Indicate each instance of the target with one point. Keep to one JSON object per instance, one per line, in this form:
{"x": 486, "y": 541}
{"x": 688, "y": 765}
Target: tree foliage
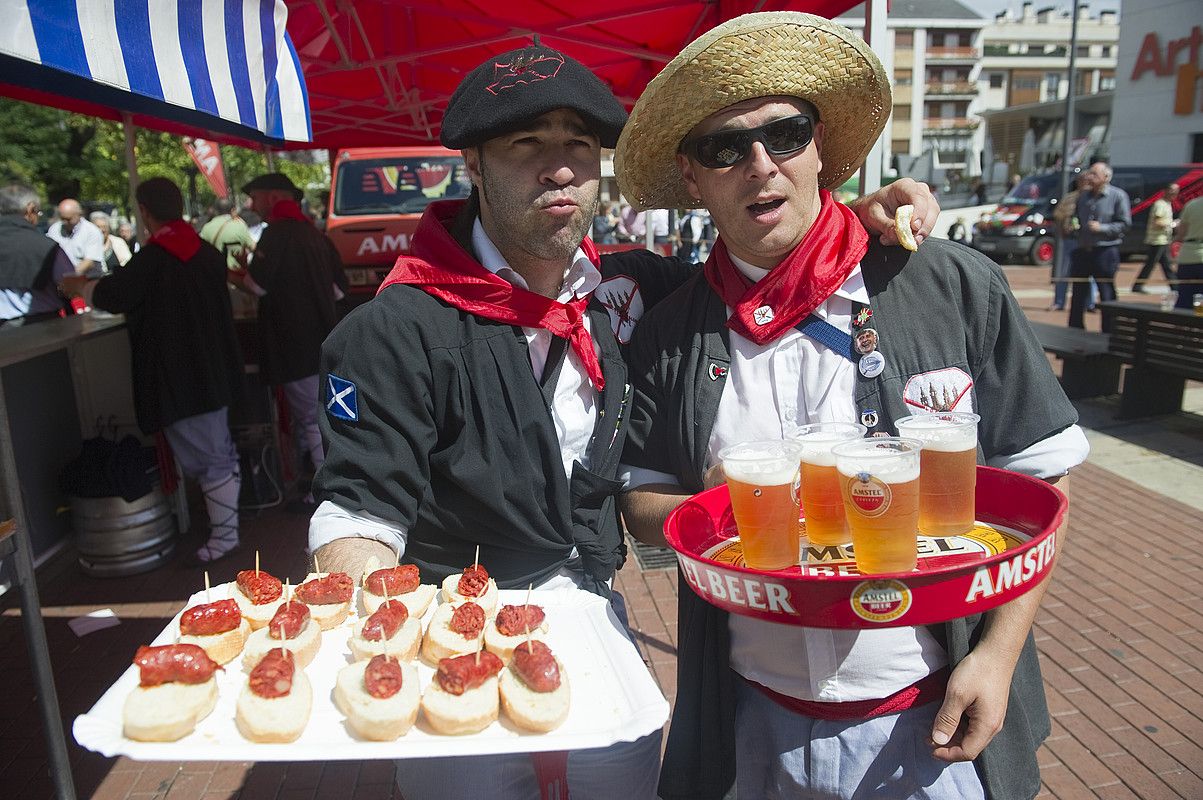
{"x": 70, "y": 155}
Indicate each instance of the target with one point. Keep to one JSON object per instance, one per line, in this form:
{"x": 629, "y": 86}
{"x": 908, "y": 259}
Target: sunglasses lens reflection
{"x": 727, "y": 148}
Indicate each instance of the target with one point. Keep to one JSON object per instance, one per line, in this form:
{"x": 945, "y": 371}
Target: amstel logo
{"x": 880, "y": 601}
{"x": 870, "y": 495}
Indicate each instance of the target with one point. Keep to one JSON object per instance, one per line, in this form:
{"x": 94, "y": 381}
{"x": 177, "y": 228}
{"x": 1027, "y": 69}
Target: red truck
{"x": 377, "y": 195}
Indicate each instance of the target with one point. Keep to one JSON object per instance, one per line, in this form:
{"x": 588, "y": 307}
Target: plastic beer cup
{"x": 949, "y": 470}
{"x": 763, "y": 480}
{"x": 879, "y": 481}
{"x": 822, "y": 502}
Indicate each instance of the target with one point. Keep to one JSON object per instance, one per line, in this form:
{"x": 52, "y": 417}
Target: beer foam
{"x": 940, "y": 434}
{"x": 768, "y": 472}
{"x": 887, "y": 471}
{"x": 817, "y": 447}
{"x": 881, "y": 460}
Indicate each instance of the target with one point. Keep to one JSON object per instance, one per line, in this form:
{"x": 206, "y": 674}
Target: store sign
{"x": 1163, "y": 61}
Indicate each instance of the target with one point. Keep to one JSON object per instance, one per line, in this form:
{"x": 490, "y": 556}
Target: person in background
{"x": 605, "y": 225}
{"x": 298, "y": 277}
{"x": 958, "y": 231}
{"x": 1065, "y": 217}
{"x": 126, "y": 231}
{"x": 953, "y": 711}
{"x": 228, "y": 233}
{"x": 187, "y": 365}
{"x": 1190, "y": 257}
{"x": 1104, "y": 213}
{"x": 82, "y": 240}
{"x": 1157, "y": 239}
{"x": 116, "y": 251}
{"x": 31, "y": 265}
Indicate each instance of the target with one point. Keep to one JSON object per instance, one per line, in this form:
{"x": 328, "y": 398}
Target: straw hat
{"x": 754, "y": 55}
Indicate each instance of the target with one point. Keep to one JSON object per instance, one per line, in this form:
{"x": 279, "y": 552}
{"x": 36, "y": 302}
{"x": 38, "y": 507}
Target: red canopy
{"x": 380, "y": 73}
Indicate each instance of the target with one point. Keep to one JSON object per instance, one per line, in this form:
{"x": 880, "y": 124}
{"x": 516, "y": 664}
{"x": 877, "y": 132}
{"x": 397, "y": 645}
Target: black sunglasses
{"x": 721, "y": 149}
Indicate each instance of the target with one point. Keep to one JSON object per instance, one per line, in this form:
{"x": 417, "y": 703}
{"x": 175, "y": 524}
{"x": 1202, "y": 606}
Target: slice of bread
{"x": 404, "y": 644}
{"x": 416, "y": 601}
{"x": 167, "y": 712}
{"x": 275, "y": 719}
{"x": 487, "y": 601}
{"x": 531, "y": 710}
{"x": 222, "y": 647}
{"x": 497, "y": 642}
{"x": 469, "y": 712}
{"x": 304, "y": 646}
{"x": 328, "y": 615}
{"x": 257, "y": 616}
{"x": 442, "y": 642}
{"x": 373, "y": 718}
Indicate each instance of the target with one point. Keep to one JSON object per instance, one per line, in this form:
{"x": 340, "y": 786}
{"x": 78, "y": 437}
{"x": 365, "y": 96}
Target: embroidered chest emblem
{"x": 622, "y": 300}
{"x": 945, "y": 389}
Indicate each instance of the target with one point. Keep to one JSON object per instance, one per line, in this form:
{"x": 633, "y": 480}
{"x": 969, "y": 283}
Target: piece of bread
{"x": 497, "y": 642}
{"x": 304, "y": 646}
{"x": 373, "y": 718}
{"x": 454, "y": 714}
{"x": 275, "y": 719}
{"x": 416, "y": 601}
{"x": 222, "y": 647}
{"x": 404, "y": 644}
{"x": 167, "y": 712}
{"x": 257, "y": 616}
{"x": 442, "y": 642}
{"x": 328, "y": 615}
{"x": 531, "y": 710}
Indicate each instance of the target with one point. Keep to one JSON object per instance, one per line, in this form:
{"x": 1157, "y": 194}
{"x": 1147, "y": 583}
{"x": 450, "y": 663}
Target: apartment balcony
{"x": 950, "y": 126}
{"x": 952, "y": 90}
{"x": 953, "y": 54}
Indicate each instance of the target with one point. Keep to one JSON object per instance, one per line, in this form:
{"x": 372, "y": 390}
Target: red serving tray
{"x": 1010, "y": 551}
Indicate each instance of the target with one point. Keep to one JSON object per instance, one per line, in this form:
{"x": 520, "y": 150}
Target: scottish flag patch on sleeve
{"x": 341, "y": 400}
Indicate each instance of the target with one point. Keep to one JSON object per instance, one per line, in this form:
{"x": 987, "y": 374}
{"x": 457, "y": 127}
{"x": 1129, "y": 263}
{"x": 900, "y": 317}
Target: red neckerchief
{"x": 287, "y": 209}
{"x": 178, "y": 238}
{"x": 819, "y": 265}
{"x": 459, "y": 280}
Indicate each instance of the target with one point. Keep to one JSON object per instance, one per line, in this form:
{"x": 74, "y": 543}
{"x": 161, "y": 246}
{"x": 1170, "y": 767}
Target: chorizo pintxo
{"x": 463, "y": 697}
{"x": 534, "y": 690}
{"x": 379, "y": 697}
{"x": 177, "y": 688}
{"x": 274, "y": 705}
{"x": 219, "y": 628}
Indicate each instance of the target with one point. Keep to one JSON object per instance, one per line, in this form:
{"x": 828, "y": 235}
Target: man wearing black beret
{"x": 480, "y": 399}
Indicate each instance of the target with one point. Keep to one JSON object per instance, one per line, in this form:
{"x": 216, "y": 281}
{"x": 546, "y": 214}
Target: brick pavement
{"x": 1118, "y": 636}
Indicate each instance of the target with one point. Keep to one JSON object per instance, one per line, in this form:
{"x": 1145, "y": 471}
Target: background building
{"x": 1158, "y": 110}
{"x": 954, "y": 70}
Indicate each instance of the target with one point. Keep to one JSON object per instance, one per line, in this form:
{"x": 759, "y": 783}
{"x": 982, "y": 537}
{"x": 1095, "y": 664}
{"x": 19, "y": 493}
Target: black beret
{"x": 510, "y": 90}
{"x": 273, "y": 181}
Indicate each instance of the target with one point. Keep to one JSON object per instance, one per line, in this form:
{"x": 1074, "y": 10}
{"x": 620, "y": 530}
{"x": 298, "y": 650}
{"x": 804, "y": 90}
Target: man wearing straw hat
{"x": 757, "y": 120}
{"x": 480, "y": 399}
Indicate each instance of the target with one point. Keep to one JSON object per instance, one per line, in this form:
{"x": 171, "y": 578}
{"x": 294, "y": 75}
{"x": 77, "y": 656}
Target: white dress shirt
{"x": 574, "y": 410}
{"x": 85, "y": 241}
{"x": 771, "y": 391}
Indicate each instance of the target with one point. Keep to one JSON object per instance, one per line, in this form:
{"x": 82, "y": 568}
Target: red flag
{"x": 208, "y": 160}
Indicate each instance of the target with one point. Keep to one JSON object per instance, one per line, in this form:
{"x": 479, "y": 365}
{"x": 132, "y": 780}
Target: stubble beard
{"x": 517, "y": 221}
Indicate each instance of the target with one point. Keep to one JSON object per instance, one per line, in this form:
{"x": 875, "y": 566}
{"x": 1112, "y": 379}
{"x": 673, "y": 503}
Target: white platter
{"x": 614, "y": 699}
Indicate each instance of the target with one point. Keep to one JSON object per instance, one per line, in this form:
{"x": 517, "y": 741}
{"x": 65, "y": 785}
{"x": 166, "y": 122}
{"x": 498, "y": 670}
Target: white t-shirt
{"x": 85, "y": 242}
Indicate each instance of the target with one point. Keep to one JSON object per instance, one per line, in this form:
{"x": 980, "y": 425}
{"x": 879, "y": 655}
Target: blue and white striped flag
{"x": 229, "y": 59}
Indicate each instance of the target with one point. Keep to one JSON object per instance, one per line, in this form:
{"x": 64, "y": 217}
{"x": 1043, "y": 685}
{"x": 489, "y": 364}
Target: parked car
{"x": 1021, "y": 228}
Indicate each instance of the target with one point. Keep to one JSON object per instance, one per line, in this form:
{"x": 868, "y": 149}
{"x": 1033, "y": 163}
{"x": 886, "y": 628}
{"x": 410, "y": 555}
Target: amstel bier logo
{"x": 870, "y": 495}
{"x": 880, "y": 601}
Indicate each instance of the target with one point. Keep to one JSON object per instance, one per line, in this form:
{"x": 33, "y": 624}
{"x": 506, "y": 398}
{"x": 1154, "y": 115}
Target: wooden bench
{"x": 1164, "y": 348}
{"x": 1088, "y": 369}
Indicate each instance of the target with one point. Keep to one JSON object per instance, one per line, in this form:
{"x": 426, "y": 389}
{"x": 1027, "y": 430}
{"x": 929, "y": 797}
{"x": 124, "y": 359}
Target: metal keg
{"x": 115, "y": 538}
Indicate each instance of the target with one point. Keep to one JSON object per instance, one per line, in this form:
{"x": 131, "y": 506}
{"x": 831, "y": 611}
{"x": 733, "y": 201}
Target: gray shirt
{"x": 1112, "y": 209}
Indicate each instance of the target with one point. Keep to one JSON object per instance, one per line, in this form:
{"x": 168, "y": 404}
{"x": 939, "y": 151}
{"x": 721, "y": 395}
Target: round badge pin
{"x": 872, "y": 364}
{"x": 865, "y": 342}
{"x": 869, "y": 418}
